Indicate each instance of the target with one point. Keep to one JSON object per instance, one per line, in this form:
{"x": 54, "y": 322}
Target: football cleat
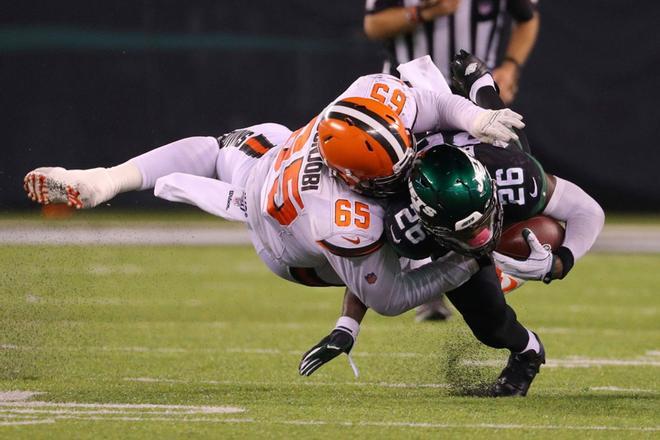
{"x": 465, "y": 70}
{"x": 435, "y": 310}
{"x": 520, "y": 371}
{"x": 77, "y": 188}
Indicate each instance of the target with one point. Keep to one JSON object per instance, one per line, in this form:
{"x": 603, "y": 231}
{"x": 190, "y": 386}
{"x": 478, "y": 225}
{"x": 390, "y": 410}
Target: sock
{"x": 125, "y": 177}
{"x": 532, "y": 343}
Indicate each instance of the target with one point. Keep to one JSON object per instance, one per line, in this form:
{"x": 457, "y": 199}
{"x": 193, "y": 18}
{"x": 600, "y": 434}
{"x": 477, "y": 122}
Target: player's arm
{"x": 584, "y": 219}
{"x": 386, "y": 18}
{"x": 526, "y": 23}
{"x": 380, "y": 283}
{"x": 452, "y": 112}
{"x": 471, "y": 77}
{"x": 340, "y": 340}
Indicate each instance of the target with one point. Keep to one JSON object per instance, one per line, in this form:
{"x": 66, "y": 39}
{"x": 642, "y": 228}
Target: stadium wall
{"x": 94, "y": 83}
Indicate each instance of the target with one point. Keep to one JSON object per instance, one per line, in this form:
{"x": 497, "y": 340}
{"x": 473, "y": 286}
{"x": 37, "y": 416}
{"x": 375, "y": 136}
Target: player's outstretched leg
{"x": 80, "y": 188}
{"x": 77, "y": 188}
{"x": 494, "y": 323}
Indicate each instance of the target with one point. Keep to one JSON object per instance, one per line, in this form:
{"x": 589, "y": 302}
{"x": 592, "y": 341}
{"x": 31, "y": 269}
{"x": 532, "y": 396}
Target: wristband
{"x": 349, "y": 325}
{"x": 567, "y": 259}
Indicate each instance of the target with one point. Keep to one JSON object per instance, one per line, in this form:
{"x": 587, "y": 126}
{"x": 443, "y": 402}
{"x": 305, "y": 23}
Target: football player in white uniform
{"x": 306, "y": 225}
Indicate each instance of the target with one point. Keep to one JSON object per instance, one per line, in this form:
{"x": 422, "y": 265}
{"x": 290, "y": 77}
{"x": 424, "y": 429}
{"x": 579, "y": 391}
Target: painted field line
{"x": 189, "y": 409}
{"x": 623, "y": 390}
{"x": 576, "y": 362}
{"x": 26, "y": 422}
{"x": 17, "y": 396}
{"x": 471, "y": 425}
{"x": 422, "y": 425}
{"x": 302, "y": 382}
{"x": 358, "y": 384}
{"x": 126, "y": 419}
{"x": 569, "y": 362}
{"x": 55, "y": 411}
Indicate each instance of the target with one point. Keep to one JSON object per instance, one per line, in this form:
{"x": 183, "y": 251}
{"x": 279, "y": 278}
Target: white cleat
{"x": 77, "y": 188}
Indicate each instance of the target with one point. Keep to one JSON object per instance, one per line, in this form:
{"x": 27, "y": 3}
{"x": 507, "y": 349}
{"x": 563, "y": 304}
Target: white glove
{"x": 538, "y": 266}
{"x": 77, "y": 188}
{"x": 496, "y": 125}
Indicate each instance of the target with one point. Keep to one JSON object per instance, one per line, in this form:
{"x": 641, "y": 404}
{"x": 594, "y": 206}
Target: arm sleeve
{"x": 193, "y": 155}
{"x": 583, "y": 216}
{"x": 521, "y": 10}
{"x": 380, "y": 283}
{"x": 443, "y": 112}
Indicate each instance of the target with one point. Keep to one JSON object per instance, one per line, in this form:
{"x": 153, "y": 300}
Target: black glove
{"x": 336, "y": 343}
{"x": 465, "y": 70}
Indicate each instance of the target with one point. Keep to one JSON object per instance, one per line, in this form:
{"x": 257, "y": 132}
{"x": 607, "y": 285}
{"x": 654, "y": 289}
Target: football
{"x": 548, "y": 230}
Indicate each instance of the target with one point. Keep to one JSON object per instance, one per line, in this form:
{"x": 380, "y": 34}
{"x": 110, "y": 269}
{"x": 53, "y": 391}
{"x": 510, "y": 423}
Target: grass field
{"x": 141, "y": 341}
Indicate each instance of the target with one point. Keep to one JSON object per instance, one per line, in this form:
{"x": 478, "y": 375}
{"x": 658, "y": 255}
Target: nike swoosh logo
{"x": 355, "y": 240}
{"x": 536, "y": 189}
{"x": 394, "y": 239}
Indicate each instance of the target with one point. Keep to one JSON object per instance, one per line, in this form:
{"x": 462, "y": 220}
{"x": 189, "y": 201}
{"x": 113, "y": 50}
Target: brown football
{"x": 547, "y": 230}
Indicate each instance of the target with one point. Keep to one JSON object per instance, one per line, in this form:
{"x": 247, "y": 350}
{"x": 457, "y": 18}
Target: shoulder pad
{"x": 405, "y": 233}
{"x": 351, "y": 225}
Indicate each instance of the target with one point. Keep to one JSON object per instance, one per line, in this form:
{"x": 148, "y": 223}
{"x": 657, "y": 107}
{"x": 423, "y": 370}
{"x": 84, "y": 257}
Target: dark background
{"x": 93, "y": 83}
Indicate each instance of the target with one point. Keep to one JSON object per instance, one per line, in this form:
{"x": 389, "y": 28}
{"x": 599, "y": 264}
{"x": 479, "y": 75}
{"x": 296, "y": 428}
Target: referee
{"x": 440, "y": 28}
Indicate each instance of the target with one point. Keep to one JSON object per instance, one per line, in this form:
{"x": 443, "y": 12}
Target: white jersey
{"x": 304, "y": 221}
{"x": 308, "y": 226}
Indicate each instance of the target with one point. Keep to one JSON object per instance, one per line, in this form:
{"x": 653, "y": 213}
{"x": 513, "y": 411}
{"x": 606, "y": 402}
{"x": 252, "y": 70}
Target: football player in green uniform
{"x": 461, "y": 193}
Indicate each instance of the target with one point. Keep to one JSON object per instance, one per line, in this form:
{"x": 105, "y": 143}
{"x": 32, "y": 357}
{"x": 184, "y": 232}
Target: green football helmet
{"x": 456, "y": 200}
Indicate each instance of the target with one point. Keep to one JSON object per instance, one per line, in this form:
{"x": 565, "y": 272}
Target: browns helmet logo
{"x": 371, "y": 278}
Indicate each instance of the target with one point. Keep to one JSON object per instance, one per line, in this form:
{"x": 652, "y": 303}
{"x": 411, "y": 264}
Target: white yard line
{"x": 471, "y": 425}
{"x": 422, "y": 425}
{"x": 182, "y": 409}
{"x": 26, "y": 422}
{"x": 17, "y": 396}
{"x": 568, "y": 362}
{"x": 623, "y": 390}
{"x": 577, "y": 362}
{"x": 302, "y": 382}
{"x": 22, "y": 413}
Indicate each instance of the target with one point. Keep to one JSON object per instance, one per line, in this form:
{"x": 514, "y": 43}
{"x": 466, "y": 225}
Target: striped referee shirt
{"x": 476, "y": 27}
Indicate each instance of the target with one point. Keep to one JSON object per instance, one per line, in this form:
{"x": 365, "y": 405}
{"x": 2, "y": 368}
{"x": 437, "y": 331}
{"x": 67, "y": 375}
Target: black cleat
{"x": 465, "y": 70}
{"x": 519, "y": 373}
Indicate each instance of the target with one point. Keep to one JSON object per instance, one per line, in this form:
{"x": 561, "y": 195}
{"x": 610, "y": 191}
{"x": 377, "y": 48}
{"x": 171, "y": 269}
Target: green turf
{"x": 211, "y": 326}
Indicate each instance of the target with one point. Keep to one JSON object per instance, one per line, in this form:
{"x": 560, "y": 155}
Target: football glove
{"x": 77, "y": 188}
{"x": 495, "y": 125}
{"x": 340, "y": 340}
{"x": 466, "y": 69}
{"x": 538, "y": 266}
